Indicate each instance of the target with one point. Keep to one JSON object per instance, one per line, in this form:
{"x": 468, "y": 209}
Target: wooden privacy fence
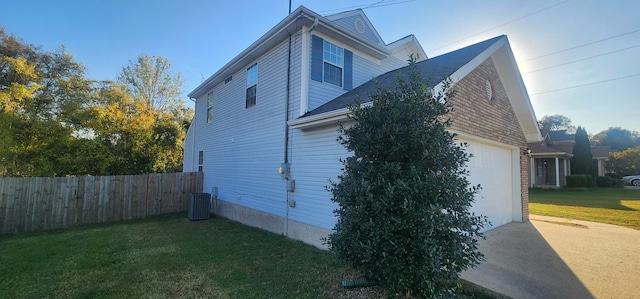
{"x": 33, "y": 204}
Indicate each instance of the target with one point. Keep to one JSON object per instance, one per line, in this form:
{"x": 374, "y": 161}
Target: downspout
{"x": 286, "y": 133}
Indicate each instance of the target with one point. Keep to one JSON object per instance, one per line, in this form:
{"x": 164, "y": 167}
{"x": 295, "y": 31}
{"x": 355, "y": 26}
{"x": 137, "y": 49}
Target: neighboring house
{"x": 266, "y": 123}
{"x": 550, "y": 160}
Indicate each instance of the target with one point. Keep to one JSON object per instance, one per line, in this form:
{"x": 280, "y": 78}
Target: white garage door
{"x": 491, "y": 167}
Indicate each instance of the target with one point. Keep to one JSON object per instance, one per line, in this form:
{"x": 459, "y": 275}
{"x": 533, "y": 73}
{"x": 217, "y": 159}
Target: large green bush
{"x": 604, "y": 182}
{"x": 579, "y": 181}
{"x": 404, "y": 199}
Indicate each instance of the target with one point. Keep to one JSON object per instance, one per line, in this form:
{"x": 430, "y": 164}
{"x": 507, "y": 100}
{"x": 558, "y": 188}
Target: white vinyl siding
{"x": 315, "y": 159}
{"x": 243, "y": 148}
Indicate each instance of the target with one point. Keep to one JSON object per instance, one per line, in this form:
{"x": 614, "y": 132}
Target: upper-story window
{"x": 252, "y": 82}
{"x": 331, "y": 63}
{"x": 210, "y": 107}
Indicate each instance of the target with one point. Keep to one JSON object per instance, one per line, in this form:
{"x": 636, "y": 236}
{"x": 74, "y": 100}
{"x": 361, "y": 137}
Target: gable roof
{"x": 434, "y": 70}
{"x": 357, "y": 22}
{"x": 560, "y": 135}
{"x": 456, "y": 65}
{"x": 294, "y": 22}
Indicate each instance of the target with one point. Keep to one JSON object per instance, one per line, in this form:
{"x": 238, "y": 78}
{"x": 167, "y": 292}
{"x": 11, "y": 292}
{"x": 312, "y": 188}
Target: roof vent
{"x": 358, "y": 24}
{"x": 489, "y": 90}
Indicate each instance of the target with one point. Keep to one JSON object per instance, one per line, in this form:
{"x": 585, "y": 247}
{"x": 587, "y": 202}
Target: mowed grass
{"x": 605, "y": 205}
{"x": 169, "y": 257}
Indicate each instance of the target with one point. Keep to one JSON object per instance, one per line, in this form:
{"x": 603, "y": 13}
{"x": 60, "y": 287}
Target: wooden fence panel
{"x": 33, "y": 204}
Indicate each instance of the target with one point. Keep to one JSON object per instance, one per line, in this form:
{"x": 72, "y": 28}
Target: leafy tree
{"x": 404, "y": 199}
{"x": 57, "y": 122}
{"x": 35, "y": 136}
{"x": 582, "y": 160}
{"x": 149, "y": 79}
{"x": 618, "y": 139}
{"x": 131, "y": 138}
{"x": 626, "y": 162}
{"x": 556, "y": 122}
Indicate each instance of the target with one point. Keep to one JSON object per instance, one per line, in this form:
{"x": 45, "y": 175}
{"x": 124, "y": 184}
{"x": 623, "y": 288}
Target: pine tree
{"x": 581, "y": 162}
{"x": 404, "y": 199}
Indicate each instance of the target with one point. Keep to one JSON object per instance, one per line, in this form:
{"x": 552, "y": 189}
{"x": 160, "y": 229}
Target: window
{"x": 210, "y": 107}
{"x": 200, "y": 160}
{"x": 333, "y": 63}
{"x": 252, "y": 82}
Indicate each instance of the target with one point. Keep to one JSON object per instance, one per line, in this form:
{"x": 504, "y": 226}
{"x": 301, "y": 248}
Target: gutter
{"x": 331, "y": 117}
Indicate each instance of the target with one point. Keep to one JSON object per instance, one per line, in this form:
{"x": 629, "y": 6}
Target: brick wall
{"x": 494, "y": 119}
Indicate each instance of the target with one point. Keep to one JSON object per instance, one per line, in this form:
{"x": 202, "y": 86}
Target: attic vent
{"x": 359, "y": 25}
{"x": 228, "y": 79}
{"x": 488, "y": 89}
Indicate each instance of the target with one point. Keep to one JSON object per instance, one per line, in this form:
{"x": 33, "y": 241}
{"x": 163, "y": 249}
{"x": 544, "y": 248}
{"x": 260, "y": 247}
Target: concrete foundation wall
{"x": 306, "y": 233}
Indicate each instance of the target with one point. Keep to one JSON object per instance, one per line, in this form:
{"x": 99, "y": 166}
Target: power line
{"x": 579, "y": 46}
{"x": 594, "y": 56}
{"x": 586, "y": 84}
{"x": 508, "y": 22}
{"x": 372, "y": 5}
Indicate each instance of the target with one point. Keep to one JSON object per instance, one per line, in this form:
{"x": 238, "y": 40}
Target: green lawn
{"x": 605, "y": 205}
{"x": 169, "y": 257}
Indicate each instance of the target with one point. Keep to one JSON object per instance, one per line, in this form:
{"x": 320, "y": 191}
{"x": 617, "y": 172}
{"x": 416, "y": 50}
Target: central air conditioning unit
{"x": 199, "y": 206}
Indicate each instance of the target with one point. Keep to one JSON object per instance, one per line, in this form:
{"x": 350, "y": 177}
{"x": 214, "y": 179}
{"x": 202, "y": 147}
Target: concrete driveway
{"x": 558, "y": 258}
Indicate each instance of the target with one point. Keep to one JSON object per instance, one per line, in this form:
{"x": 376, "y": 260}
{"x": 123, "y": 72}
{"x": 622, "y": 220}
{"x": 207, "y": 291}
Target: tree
{"x": 149, "y": 79}
{"x": 626, "y": 162}
{"x": 618, "y": 139}
{"x": 128, "y": 137}
{"x": 37, "y": 90}
{"x": 581, "y": 162}
{"x": 556, "y": 122}
{"x": 404, "y": 199}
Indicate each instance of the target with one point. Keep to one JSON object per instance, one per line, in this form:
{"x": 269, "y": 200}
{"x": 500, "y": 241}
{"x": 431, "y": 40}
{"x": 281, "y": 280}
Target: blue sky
{"x": 198, "y": 37}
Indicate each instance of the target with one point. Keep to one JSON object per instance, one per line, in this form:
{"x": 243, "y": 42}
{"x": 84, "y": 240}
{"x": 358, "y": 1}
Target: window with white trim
{"x": 200, "y": 160}
{"x": 210, "y": 107}
{"x": 333, "y": 63}
{"x": 252, "y": 82}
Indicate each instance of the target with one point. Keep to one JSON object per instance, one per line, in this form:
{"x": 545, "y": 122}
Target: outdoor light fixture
{"x": 527, "y": 152}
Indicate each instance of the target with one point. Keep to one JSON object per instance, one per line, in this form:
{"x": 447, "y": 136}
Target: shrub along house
{"x": 265, "y": 125}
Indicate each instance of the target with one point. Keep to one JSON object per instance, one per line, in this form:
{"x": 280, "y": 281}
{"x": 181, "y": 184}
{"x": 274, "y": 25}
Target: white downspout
{"x": 304, "y": 71}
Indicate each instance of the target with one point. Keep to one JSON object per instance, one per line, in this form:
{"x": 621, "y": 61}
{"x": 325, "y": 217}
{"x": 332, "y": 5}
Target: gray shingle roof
{"x": 434, "y": 70}
{"x": 561, "y": 135}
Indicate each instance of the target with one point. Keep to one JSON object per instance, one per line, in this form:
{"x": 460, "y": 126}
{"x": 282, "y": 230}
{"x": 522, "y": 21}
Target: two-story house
{"x": 266, "y": 124}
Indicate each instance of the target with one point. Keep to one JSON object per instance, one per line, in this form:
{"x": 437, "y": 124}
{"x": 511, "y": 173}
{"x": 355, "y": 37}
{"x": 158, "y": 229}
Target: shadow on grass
{"x": 587, "y": 198}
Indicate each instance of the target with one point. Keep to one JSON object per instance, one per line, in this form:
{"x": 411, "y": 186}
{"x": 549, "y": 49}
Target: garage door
{"x": 491, "y": 167}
